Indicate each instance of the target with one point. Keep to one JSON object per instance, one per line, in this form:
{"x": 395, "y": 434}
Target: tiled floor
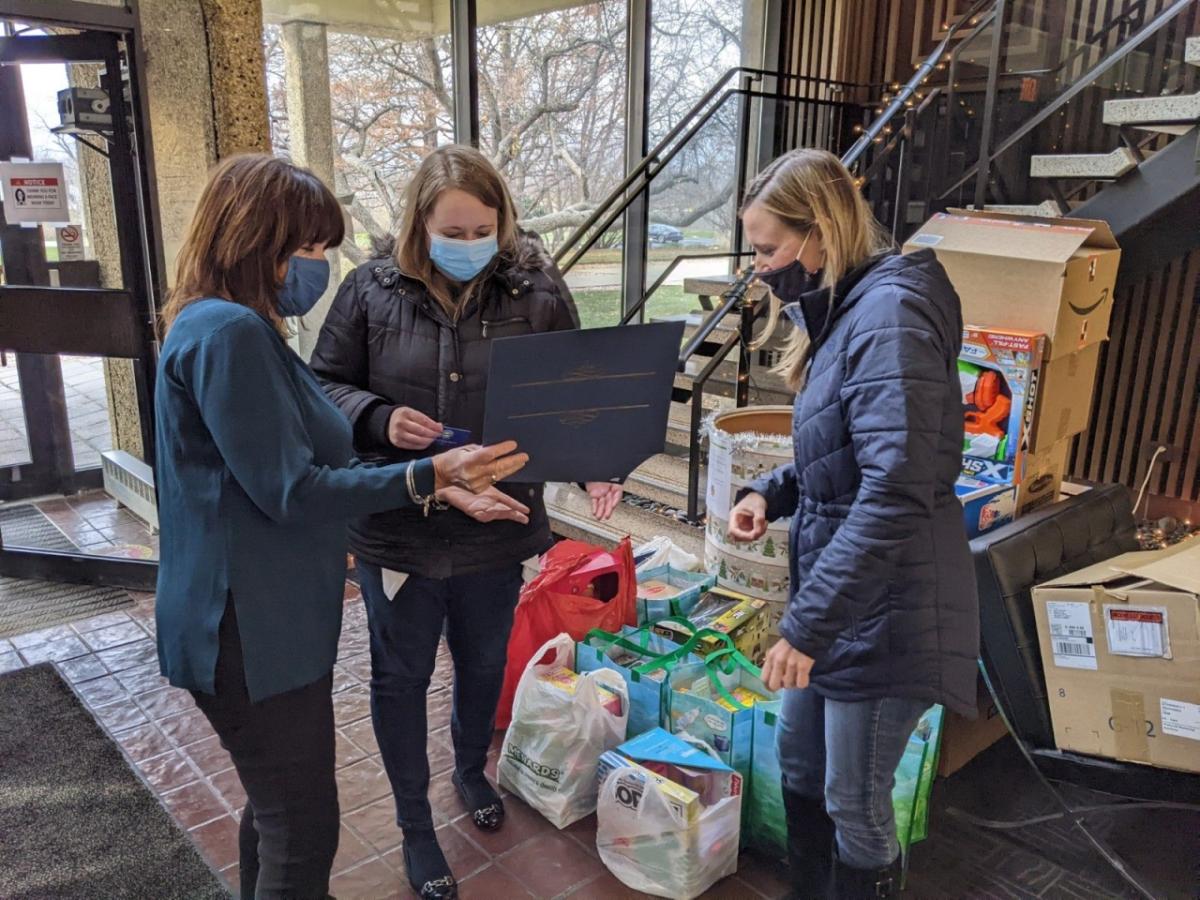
{"x": 111, "y": 661}
{"x": 96, "y": 524}
{"x": 87, "y": 411}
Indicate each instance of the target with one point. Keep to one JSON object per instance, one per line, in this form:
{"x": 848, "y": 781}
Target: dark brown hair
{"x": 254, "y": 213}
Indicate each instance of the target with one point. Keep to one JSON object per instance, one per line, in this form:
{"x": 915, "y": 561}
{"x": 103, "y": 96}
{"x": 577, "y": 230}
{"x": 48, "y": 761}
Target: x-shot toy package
{"x": 998, "y": 370}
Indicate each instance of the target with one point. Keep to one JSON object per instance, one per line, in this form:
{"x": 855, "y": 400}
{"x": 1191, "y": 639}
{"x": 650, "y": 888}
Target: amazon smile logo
{"x": 1087, "y": 310}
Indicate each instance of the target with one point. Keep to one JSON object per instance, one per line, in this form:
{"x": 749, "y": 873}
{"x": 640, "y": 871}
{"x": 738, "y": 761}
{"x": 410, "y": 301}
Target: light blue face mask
{"x": 462, "y": 260}
{"x": 303, "y": 285}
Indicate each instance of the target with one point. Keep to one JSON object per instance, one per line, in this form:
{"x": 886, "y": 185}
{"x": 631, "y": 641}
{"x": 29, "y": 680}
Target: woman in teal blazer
{"x": 256, "y": 483}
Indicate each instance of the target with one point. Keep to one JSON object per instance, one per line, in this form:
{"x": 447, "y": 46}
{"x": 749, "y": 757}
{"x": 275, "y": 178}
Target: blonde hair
{"x": 807, "y": 190}
{"x": 255, "y": 212}
{"x": 452, "y": 167}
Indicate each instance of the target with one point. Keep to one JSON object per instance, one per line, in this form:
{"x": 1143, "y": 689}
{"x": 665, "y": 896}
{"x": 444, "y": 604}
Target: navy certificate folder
{"x": 587, "y": 405}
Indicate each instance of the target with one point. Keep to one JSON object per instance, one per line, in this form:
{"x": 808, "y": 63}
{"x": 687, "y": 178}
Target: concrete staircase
{"x": 1175, "y": 114}
{"x": 656, "y": 492}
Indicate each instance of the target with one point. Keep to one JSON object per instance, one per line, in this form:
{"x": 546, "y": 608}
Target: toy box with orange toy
{"x": 998, "y": 371}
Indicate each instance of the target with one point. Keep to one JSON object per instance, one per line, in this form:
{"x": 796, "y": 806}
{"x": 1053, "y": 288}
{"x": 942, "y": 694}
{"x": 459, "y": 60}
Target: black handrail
{"x": 636, "y": 310}
{"x": 610, "y": 214}
{"x": 653, "y": 154}
{"x": 900, "y": 101}
{"x": 1077, "y": 87}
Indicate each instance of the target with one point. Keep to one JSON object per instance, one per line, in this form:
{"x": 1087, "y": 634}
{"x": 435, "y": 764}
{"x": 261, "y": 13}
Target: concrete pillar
{"x": 237, "y": 72}
{"x": 206, "y": 83}
{"x": 310, "y": 126}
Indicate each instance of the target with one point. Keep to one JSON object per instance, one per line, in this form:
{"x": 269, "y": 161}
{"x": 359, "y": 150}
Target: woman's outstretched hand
{"x": 748, "y": 520}
{"x": 492, "y": 505}
{"x": 475, "y": 468}
{"x": 605, "y": 497}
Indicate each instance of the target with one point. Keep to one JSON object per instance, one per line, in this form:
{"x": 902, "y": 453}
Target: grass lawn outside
{"x": 601, "y": 307}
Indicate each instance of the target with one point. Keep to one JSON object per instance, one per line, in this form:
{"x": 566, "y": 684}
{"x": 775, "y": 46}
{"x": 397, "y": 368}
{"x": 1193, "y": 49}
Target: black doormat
{"x": 27, "y": 526}
{"x": 33, "y": 605}
{"x": 75, "y": 821}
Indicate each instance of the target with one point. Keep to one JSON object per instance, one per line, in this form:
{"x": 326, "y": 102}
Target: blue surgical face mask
{"x": 462, "y": 260}
{"x": 305, "y": 282}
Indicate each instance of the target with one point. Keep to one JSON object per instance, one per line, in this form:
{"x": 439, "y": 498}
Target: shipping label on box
{"x": 1120, "y": 645}
{"x": 1050, "y": 275}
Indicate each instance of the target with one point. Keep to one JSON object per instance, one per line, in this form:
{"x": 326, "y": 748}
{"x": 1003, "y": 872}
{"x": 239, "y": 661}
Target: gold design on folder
{"x": 574, "y": 418}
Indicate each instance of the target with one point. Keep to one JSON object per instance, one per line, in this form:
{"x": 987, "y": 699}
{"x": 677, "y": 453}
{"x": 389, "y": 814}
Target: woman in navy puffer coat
{"x": 883, "y": 619}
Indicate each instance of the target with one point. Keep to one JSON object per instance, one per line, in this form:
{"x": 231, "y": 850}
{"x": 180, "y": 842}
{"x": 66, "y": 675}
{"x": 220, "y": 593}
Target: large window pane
{"x": 552, "y": 118}
{"x": 391, "y": 93}
{"x": 693, "y": 42}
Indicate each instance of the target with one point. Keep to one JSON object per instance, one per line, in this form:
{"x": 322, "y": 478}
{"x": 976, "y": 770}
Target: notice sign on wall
{"x": 34, "y": 192}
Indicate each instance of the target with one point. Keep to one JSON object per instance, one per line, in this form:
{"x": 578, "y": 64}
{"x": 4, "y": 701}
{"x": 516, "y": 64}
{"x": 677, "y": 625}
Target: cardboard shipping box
{"x": 1055, "y": 276}
{"x": 963, "y": 739}
{"x": 1120, "y": 645}
{"x": 1064, "y": 406}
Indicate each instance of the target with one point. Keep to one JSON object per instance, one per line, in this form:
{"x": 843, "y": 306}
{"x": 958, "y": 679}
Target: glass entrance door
{"x": 77, "y": 343}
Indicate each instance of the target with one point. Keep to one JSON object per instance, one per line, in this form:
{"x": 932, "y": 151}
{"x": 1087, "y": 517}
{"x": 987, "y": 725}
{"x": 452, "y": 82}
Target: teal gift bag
{"x": 914, "y": 778}
{"x": 652, "y": 608}
{"x": 626, "y": 653}
{"x": 707, "y": 702}
{"x": 766, "y": 820}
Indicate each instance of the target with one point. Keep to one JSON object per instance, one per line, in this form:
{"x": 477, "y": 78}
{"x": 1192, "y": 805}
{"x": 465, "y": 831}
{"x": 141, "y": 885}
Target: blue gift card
{"x": 452, "y": 437}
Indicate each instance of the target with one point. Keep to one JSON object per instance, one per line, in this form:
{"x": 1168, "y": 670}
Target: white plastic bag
{"x": 553, "y": 745}
{"x": 664, "y": 552}
{"x": 650, "y": 848}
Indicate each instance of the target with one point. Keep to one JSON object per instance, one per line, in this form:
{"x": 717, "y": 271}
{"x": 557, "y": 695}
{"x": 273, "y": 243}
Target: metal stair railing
{"x": 639, "y": 179}
{"x": 980, "y": 171}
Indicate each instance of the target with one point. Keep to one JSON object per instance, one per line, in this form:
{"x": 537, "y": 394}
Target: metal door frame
{"x": 39, "y": 319}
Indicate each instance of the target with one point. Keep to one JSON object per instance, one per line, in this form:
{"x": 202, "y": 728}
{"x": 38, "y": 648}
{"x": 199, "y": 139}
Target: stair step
{"x": 679, "y": 419}
{"x": 1085, "y": 165}
{"x": 664, "y": 478}
{"x": 1046, "y": 209}
{"x": 570, "y": 511}
{"x": 763, "y": 391}
{"x": 715, "y": 285}
{"x": 1191, "y": 52}
{"x": 1173, "y": 114}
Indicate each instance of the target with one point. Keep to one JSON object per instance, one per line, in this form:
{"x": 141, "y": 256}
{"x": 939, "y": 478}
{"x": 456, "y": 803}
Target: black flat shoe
{"x": 426, "y": 868}
{"x": 487, "y": 809}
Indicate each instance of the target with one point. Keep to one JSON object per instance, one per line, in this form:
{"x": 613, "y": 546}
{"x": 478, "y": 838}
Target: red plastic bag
{"x": 555, "y": 602}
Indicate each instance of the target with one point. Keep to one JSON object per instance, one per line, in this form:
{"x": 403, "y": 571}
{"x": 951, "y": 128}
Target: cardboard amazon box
{"x": 1120, "y": 645}
{"x": 1049, "y": 275}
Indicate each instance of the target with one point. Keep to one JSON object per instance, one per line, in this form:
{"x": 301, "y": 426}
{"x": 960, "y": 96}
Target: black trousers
{"x": 283, "y": 750}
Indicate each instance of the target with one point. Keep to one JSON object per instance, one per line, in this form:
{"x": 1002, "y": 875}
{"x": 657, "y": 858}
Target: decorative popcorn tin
{"x": 744, "y": 445}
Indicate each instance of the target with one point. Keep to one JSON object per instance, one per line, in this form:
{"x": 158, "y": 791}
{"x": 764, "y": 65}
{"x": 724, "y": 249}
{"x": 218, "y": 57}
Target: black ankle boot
{"x": 427, "y": 869}
{"x": 865, "y": 884}
{"x": 810, "y": 846}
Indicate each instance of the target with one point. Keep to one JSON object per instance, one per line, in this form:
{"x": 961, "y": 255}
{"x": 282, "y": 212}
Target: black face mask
{"x": 789, "y": 282}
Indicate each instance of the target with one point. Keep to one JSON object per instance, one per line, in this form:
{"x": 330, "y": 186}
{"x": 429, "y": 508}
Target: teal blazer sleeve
{"x": 243, "y": 386}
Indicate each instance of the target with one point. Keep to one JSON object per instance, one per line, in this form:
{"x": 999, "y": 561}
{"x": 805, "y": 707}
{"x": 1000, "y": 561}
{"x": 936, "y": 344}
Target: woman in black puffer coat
{"x": 404, "y": 352}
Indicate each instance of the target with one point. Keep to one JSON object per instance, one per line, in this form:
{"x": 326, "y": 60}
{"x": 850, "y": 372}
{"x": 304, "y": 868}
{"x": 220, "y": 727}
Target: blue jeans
{"x": 477, "y": 613}
{"x": 846, "y": 754}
